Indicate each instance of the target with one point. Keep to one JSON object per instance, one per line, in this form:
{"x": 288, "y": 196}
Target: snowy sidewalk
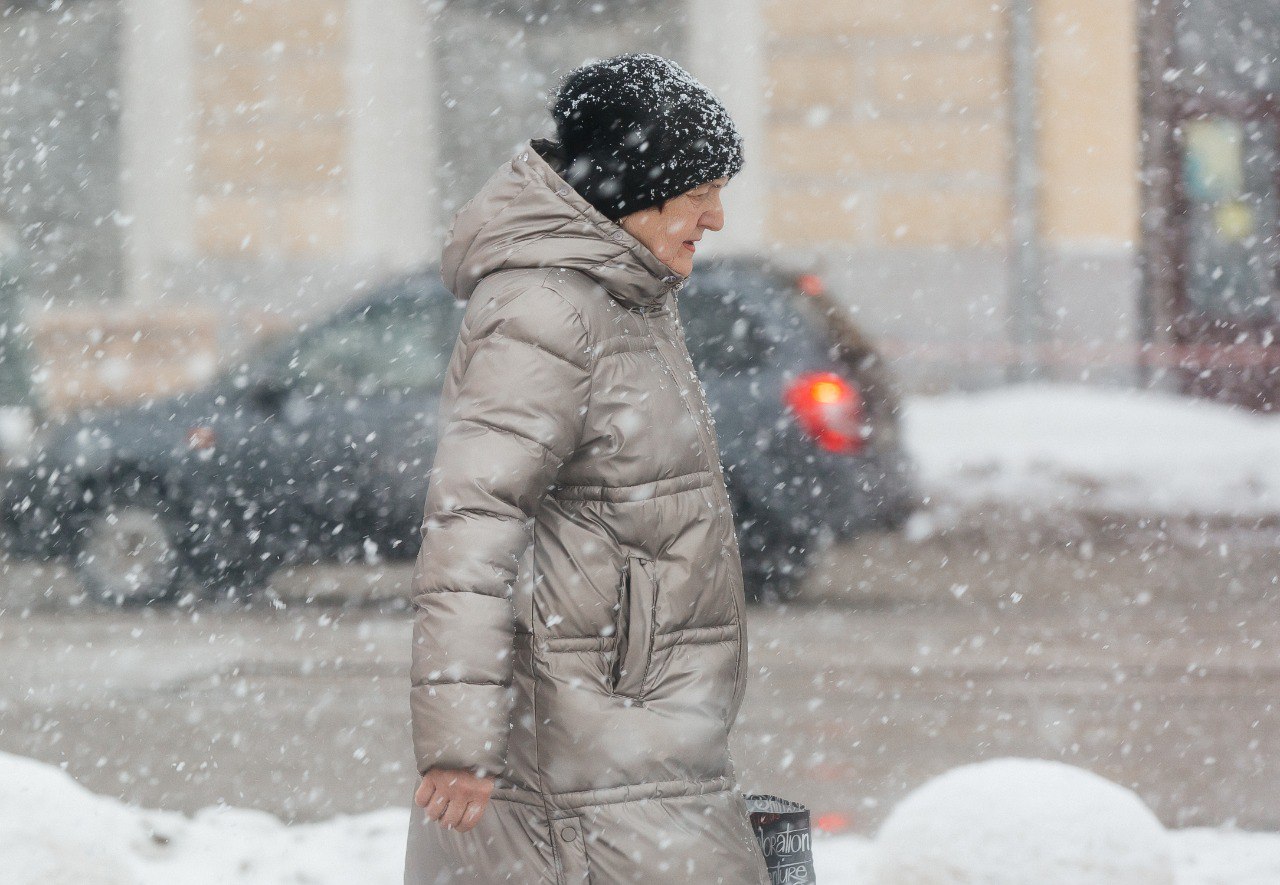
{"x": 54, "y": 831}
{"x": 1054, "y": 446}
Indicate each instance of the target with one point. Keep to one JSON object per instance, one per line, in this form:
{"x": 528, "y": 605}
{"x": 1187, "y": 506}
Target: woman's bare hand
{"x": 455, "y": 798}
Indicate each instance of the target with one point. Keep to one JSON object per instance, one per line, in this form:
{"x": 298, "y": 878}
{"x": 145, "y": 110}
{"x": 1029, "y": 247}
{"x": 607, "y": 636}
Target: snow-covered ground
{"x": 1036, "y": 446}
{"x": 54, "y": 832}
{"x": 1055, "y": 446}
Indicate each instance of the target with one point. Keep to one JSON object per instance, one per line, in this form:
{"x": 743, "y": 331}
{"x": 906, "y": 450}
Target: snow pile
{"x": 54, "y": 832}
{"x": 1014, "y": 821}
{"x": 1204, "y": 856}
{"x": 1086, "y": 447}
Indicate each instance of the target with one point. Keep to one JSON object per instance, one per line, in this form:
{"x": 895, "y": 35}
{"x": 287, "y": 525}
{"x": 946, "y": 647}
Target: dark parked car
{"x": 318, "y": 447}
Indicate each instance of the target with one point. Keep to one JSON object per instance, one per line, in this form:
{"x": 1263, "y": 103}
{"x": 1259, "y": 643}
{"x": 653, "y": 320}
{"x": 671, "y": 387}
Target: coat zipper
{"x": 725, "y": 518}
{"x": 700, "y": 418}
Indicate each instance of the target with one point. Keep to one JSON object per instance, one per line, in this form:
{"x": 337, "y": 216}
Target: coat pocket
{"x": 571, "y": 851}
{"x": 637, "y": 613}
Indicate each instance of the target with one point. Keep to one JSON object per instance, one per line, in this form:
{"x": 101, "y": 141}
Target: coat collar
{"x": 527, "y": 216}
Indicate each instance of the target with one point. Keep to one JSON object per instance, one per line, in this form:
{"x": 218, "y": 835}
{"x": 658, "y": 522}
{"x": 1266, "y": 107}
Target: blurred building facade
{"x": 242, "y": 164}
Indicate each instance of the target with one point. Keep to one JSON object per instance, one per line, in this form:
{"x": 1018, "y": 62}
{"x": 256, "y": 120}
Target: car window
{"x": 396, "y": 346}
{"x": 723, "y": 333}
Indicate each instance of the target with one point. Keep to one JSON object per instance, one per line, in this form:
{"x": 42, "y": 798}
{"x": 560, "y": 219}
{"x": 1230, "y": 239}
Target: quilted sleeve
{"x": 513, "y": 409}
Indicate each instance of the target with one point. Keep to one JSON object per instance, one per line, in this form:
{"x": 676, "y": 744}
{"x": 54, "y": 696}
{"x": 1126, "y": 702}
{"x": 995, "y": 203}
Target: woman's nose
{"x": 713, "y": 219}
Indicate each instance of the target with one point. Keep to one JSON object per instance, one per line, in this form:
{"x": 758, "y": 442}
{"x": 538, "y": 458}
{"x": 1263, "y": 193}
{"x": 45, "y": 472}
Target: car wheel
{"x": 774, "y": 560}
{"x": 127, "y": 550}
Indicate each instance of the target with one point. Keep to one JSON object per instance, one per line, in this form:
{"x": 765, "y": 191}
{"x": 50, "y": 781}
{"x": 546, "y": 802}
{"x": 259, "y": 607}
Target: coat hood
{"x": 526, "y": 216}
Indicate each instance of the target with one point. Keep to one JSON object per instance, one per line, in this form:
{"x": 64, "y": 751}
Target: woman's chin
{"x": 681, "y": 264}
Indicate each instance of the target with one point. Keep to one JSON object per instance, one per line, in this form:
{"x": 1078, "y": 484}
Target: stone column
{"x": 727, "y": 52}
{"x": 157, "y": 143}
{"x": 391, "y": 140}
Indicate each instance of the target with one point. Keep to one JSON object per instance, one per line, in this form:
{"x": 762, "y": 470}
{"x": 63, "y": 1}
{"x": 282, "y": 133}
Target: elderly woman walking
{"x": 579, "y": 654}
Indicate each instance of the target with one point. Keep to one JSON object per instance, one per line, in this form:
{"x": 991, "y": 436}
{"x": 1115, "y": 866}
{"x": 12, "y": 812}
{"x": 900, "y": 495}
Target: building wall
{"x": 280, "y": 155}
{"x": 1090, "y": 153}
{"x": 891, "y": 158}
{"x": 1089, "y": 122}
{"x": 886, "y": 123}
{"x": 270, "y": 181}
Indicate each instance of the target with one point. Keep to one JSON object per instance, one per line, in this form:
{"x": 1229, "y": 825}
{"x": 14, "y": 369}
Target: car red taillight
{"x": 830, "y": 410}
{"x": 811, "y": 284}
{"x": 201, "y": 438}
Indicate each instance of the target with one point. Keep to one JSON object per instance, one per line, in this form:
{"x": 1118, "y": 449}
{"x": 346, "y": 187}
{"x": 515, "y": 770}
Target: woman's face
{"x": 672, "y": 231}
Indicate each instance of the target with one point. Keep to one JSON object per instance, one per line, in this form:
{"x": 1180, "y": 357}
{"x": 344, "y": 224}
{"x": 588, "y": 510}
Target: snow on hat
{"x": 638, "y": 129}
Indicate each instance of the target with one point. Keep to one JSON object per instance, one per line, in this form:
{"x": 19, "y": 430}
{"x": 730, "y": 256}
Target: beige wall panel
{"x": 870, "y": 18}
{"x": 926, "y": 147}
{"x": 232, "y": 225}
{"x": 312, "y": 225}
{"x": 799, "y": 81}
{"x": 294, "y": 26}
{"x": 231, "y": 94}
{"x": 1089, "y": 121}
{"x": 277, "y": 156}
{"x": 942, "y": 218}
{"x": 929, "y": 81}
{"x": 804, "y": 217}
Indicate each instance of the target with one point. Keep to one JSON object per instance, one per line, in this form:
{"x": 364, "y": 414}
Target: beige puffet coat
{"x": 578, "y": 595}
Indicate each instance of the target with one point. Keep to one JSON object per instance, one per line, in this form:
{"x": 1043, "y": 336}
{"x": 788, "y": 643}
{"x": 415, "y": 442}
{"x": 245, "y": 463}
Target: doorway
{"x": 1211, "y": 251}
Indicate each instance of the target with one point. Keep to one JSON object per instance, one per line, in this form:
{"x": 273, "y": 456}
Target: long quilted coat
{"x": 578, "y": 595}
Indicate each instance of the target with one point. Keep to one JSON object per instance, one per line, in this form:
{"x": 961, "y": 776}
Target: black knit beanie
{"x": 637, "y": 129}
